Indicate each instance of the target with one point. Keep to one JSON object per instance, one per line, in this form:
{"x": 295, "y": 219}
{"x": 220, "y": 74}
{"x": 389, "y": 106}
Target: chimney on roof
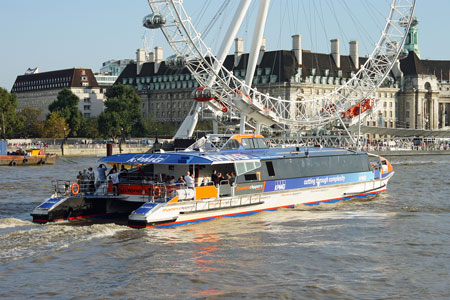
{"x": 354, "y": 53}
{"x": 158, "y": 58}
{"x": 238, "y": 50}
{"x": 151, "y": 57}
{"x": 262, "y": 50}
{"x": 335, "y": 53}
{"x": 140, "y": 60}
{"x": 297, "y": 47}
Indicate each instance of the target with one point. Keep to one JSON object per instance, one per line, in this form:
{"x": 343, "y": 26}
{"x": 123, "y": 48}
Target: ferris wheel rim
{"x": 359, "y": 79}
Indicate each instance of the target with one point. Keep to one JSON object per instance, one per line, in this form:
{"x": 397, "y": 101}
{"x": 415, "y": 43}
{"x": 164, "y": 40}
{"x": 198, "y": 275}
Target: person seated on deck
{"x": 114, "y": 177}
{"x": 181, "y": 181}
{"x": 204, "y": 182}
{"x": 189, "y": 180}
{"x": 172, "y": 180}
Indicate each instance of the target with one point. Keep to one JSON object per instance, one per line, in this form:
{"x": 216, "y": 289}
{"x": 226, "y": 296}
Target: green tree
{"x": 54, "y": 127}
{"x": 155, "y": 128}
{"x": 8, "y": 117}
{"x": 29, "y": 124}
{"x": 122, "y": 113}
{"x": 66, "y": 104}
{"x": 89, "y": 128}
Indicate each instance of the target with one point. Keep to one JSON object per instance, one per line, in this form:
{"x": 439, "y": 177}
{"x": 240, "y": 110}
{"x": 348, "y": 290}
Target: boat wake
{"x": 13, "y": 222}
{"x": 45, "y": 240}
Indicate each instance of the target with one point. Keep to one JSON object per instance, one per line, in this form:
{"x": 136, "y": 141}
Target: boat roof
{"x": 223, "y": 156}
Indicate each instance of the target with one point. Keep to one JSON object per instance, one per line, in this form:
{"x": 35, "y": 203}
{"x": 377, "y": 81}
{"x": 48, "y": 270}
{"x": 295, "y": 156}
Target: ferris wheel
{"x": 225, "y": 93}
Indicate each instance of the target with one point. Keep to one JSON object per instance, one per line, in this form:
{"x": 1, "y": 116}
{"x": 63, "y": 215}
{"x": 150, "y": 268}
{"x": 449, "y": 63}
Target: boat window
{"x": 249, "y": 177}
{"x": 245, "y": 167}
{"x": 270, "y": 169}
{"x": 248, "y": 144}
{"x": 231, "y": 145}
{"x": 259, "y": 143}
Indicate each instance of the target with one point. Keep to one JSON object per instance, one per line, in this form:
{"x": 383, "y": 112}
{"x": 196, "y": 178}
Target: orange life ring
{"x": 77, "y": 190}
{"x": 157, "y": 191}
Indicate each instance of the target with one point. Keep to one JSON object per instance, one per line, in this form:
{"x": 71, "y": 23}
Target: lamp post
{"x": 121, "y": 139}
{"x": 62, "y": 142}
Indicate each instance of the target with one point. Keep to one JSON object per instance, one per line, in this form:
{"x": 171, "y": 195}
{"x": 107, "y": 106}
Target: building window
{"x": 87, "y": 107}
{"x": 87, "y": 115}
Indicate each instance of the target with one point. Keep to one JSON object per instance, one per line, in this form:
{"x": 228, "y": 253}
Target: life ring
{"x": 75, "y": 188}
{"x": 156, "y": 191}
{"x": 25, "y": 160}
{"x": 12, "y": 163}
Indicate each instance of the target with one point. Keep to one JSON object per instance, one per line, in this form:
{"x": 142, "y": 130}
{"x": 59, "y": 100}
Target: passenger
{"x": 204, "y": 181}
{"x": 220, "y": 178}
{"x": 91, "y": 178}
{"x": 172, "y": 180}
{"x": 67, "y": 187}
{"x": 214, "y": 177}
{"x": 114, "y": 177}
{"x": 85, "y": 183}
{"x": 123, "y": 172}
{"x": 189, "y": 180}
{"x": 111, "y": 171}
{"x": 101, "y": 174}
{"x": 181, "y": 180}
{"x": 233, "y": 178}
{"x": 228, "y": 178}
{"x": 80, "y": 178}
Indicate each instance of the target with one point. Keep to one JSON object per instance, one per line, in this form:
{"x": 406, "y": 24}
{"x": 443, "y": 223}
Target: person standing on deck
{"x": 189, "y": 180}
{"x": 101, "y": 171}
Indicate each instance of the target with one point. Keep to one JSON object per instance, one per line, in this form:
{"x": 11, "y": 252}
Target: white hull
{"x": 184, "y": 212}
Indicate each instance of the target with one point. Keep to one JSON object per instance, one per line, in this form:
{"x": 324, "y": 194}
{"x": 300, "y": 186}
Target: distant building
{"x": 105, "y": 80}
{"x": 115, "y": 67}
{"x": 39, "y": 90}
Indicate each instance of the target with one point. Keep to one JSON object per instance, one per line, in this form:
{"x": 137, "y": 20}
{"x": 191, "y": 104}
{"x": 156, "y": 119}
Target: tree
{"x": 89, "y": 128}
{"x": 122, "y": 112}
{"x": 8, "y": 117}
{"x": 29, "y": 124}
{"x": 155, "y": 128}
{"x": 54, "y": 127}
{"x": 66, "y": 104}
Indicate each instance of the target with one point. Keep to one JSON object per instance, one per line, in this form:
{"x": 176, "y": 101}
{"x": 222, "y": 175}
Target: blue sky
{"x": 58, "y": 34}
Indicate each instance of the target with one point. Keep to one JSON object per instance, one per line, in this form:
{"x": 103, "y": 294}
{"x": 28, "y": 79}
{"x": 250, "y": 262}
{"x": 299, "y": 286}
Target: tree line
{"x": 122, "y": 118}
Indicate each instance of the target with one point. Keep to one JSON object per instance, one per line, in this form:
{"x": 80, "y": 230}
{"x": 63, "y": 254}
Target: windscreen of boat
{"x": 244, "y": 167}
{"x": 254, "y": 143}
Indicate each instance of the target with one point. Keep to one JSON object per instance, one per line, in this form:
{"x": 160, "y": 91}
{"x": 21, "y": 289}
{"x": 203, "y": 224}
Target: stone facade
{"x": 39, "y": 90}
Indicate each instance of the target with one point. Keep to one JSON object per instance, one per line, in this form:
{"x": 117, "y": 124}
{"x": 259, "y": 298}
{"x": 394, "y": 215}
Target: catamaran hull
{"x": 182, "y": 213}
{"x": 78, "y": 207}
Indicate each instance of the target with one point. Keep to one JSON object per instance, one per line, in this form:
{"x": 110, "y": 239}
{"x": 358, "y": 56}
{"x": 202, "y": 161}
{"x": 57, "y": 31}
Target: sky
{"x": 60, "y": 34}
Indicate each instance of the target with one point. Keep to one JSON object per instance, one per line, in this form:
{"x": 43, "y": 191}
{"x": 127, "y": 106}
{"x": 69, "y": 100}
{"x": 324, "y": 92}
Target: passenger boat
{"x": 28, "y": 157}
{"x": 265, "y": 179}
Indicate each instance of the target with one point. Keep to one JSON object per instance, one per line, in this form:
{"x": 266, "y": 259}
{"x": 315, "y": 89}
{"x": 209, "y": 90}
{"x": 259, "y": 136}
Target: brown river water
{"x": 395, "y": 246}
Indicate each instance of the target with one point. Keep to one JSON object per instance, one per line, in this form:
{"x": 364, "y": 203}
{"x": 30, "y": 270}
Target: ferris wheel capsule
{"x": 176, "y": 62}
{"x": 203, "y": 94}
{"x": 153, "y": 21}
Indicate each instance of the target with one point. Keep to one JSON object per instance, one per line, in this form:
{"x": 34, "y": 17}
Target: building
{"x": 115, "y": 67}
{"x": 416, "y": 94}
{"x": 39, "y": 90}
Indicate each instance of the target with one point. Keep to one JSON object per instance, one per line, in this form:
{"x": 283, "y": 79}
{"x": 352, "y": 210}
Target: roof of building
{"x": 75, "y": 77}
{"x": 282, "y": 63}
{"x": 413, "y": 65}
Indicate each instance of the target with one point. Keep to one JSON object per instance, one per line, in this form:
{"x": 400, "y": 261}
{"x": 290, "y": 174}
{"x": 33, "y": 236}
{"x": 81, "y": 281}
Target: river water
{"x": 395, "y": 246}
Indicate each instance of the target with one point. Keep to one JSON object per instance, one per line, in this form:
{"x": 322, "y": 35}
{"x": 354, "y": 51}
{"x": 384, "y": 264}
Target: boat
{"x": 260, "y": 178}
{"x": 22, "y": 157}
